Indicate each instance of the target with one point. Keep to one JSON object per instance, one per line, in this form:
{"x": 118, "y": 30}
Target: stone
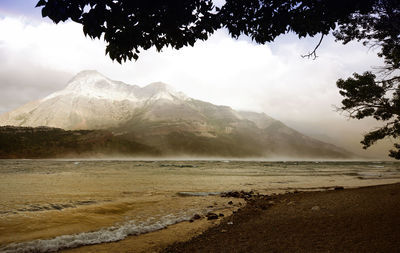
{"x": 196, "y": 217}
{"x": 315, "y": 208}
{"x": 212, "y": 216}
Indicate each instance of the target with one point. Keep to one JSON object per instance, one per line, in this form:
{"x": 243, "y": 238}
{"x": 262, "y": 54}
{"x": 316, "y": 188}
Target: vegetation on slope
{"x": 46, "y": 142}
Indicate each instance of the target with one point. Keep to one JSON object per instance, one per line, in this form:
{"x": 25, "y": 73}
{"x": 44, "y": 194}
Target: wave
{"x": 110, "y": 234}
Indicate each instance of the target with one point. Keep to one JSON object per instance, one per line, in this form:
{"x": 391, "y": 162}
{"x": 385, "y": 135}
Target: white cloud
{"x": 272, "y": 78}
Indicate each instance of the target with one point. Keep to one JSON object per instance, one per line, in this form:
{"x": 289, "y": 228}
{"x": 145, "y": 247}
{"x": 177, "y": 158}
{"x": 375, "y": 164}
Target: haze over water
{"x": 72, "y": 203}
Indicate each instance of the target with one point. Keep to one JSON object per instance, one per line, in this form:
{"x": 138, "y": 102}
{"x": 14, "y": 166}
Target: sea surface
{"x": 50, "y": 205}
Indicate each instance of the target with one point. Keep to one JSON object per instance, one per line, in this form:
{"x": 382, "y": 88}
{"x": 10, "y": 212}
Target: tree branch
{"x": 314, "y": 52}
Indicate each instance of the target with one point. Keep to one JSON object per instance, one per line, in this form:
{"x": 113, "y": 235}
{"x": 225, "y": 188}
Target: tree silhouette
{"x": 370, "y": 95}
{"x": 130, "y": 26}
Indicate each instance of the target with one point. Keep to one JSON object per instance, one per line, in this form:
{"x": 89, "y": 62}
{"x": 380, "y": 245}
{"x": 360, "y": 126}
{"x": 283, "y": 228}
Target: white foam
{"x": 110, "y": 234}
{"x": 374, "y": 175}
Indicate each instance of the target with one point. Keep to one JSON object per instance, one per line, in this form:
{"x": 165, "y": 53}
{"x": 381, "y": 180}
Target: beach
{"x": 365, "y": 219}
{"x": 147, "y": 206}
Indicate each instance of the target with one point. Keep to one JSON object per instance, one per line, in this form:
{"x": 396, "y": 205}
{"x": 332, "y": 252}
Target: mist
{"x": 22, "y": 85}
{"x": 39, "y": 58}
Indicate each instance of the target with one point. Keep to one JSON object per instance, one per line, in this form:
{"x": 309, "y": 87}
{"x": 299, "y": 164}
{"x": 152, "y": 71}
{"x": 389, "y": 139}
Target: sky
{"x": 38, "y": 57}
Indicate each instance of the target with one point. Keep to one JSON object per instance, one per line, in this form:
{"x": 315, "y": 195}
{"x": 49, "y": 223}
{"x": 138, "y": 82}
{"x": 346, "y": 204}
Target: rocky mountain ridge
{"x": 168, "y": 121}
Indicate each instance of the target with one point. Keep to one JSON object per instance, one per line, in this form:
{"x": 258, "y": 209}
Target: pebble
{"x": 315, "y": 208}
{"x": 196, "y": 217}
{"x": 212, "y": 216}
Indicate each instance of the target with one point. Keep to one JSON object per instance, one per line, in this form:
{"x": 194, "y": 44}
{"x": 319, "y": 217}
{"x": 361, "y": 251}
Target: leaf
{"x": 40, "y": 3}
{"x": 45, "y": 13}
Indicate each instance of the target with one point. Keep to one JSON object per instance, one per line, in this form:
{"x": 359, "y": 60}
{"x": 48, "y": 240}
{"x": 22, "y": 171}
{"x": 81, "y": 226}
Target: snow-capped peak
{"x": 86, "y": 77}
{"x": 159, "y": 90}
{"x": 158, "y": 86}
{"x": 88, "y": 73}
{"x": 92, "y": 84}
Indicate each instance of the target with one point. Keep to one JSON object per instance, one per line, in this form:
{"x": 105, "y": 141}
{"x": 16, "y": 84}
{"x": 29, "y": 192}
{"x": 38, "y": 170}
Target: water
{"x": 48, "y": 205}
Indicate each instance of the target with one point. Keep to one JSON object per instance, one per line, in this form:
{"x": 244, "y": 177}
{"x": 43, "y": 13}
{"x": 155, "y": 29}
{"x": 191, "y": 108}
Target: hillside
{"x": 45, "y": 142}
{"x": 156, "y": 119}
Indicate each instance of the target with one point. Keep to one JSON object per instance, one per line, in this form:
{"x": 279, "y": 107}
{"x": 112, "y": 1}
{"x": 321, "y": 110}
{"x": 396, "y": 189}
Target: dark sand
{"x": 350, "y": 220}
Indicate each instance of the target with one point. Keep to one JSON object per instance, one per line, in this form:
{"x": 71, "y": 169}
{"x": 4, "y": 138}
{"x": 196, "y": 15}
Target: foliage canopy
{"x": 375, "y": 95}
{"x": 130, "y": 26}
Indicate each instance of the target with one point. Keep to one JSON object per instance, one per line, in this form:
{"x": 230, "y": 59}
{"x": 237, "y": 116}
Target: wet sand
{"x": 364, "y": 219}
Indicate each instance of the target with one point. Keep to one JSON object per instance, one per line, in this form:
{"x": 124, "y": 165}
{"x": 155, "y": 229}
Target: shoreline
{"x": 333, "y": 204}
{"x": 363, "y": 219}
{"x": 42, "y": 211}
{"x": 155, "y": 241}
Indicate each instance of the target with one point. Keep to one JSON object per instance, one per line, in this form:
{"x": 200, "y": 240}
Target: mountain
{"x": 166, "y": 121}
{"x": 90, "y": 101}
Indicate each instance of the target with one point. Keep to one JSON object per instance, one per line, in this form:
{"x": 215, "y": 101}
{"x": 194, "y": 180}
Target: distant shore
{"x": 365, "y": 219}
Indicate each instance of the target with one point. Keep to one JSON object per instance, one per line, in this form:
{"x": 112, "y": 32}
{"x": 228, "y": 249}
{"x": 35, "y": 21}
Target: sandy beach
{"x": 365, "y": 219}
{"x": 147, "y": 206}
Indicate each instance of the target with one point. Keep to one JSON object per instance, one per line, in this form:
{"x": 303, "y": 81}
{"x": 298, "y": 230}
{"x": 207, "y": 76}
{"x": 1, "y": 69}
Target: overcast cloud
{"x": 38, "y": 57}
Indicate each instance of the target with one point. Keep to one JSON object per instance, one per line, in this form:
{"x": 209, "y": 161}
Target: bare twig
{"x": 313, "y": 54}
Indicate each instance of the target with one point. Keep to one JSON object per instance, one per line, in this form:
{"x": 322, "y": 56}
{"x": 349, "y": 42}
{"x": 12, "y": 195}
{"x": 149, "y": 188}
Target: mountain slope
{"x": 45, "y": 142}
{"x": 168, "y": 121}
